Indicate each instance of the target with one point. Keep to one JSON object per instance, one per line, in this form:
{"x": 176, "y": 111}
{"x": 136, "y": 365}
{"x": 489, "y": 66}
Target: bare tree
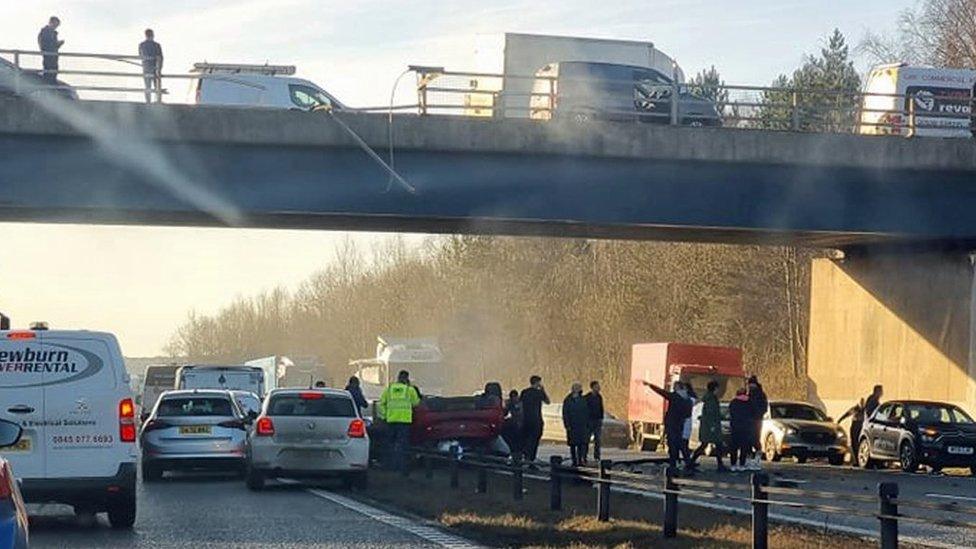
{"x": 938, "y": 32}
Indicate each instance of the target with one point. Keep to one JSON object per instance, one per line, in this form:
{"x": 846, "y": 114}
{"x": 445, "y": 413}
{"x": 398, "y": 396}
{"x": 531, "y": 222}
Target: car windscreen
{"x": 194, "y": 406}
{"x": 937, "y": 413}
{"x": 320, "y": 406}
{"x": 796, "y": 411}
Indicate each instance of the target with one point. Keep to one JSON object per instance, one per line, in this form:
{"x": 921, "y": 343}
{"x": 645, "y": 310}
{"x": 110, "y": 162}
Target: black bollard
{"x": 555, "y": 483}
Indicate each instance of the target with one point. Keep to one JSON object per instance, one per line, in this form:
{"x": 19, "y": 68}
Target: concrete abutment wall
{"x": 905, "y": 321}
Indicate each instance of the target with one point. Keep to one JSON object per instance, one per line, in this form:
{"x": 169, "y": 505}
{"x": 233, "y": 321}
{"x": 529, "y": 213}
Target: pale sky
{"x": 141, "y": 282}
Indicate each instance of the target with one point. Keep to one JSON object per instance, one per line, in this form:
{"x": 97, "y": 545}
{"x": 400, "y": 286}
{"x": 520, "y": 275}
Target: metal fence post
{"x": 760, "y": 511}
{"x": 555, "y": 483}
{"x": 17, "y": 72}
{"x": 795, "y": 111}
{"x": 455, "y": 465}
{"x": 517, "y": 481}
{"x": 887, "y": 496}
{"x": 482, "y": 479}
{"x": 603, "y": 491}
{"x": 670, "y": 503}
{"x": 674, "y": 102}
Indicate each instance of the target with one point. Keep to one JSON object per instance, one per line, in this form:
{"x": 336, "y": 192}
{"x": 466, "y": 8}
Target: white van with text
{"x": 69, "y": 390}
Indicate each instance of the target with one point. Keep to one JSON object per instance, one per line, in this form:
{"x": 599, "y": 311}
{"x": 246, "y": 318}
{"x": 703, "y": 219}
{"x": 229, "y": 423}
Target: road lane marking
{"x": 948, "y": 496}
{"x": 427, "y": 533}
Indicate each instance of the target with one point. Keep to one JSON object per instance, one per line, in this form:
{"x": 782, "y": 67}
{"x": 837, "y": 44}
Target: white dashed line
{"x": 426, "y": 533}
{"x": 947, "y": 496}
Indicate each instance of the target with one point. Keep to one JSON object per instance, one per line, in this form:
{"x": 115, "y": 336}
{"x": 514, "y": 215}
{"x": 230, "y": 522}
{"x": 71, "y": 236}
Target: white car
{"x": 308, "y": 433}
{"x": 70, "y": 392}
{"x": 271, "y": 86}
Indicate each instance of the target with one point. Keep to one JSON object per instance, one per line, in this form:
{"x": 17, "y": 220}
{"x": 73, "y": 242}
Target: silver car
{"x": 303, "y": 433}
{"x": 192, "y": 429}
{"x": 803, "y": 431}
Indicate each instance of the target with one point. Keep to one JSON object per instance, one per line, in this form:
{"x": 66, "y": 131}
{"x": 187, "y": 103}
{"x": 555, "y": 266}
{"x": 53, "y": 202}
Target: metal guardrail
{"x": 757, "y": 493}
{"x": 483, "y": 95}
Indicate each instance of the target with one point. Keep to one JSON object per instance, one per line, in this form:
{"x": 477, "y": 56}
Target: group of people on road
{"x": 149, "y": 50}
{"x": 582, "y": 417}
{"x": 746, "y": 411}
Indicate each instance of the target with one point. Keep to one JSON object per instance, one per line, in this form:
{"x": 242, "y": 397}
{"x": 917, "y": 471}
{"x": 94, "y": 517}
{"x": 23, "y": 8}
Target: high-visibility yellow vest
{"x": 397, "y": 402}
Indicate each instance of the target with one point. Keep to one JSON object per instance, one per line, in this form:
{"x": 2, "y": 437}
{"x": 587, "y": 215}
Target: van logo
{"x": 47, "y": 364}
{"x": 925, "y": 100}
{"x": 82, "y": 407}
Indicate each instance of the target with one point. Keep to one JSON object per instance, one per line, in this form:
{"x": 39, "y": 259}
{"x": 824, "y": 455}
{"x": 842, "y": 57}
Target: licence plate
{"x": 960, "y": 450}
{"x": 194, "y": 429}
{"x": 23, "y": 445}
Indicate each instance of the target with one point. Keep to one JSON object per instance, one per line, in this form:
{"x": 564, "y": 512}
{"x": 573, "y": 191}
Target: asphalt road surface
{"x": 957, "y": 487}
{"x": 202, "y": 511}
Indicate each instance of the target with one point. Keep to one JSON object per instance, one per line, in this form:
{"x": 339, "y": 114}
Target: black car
{"x": 916, "y": 432}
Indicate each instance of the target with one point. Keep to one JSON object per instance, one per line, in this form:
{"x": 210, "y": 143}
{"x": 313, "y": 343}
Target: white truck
{"x": 275, "y": 368}
{"x": 420, "y": 356}
{"x": 918, "y": 101}
{"x": 526, "y": 54}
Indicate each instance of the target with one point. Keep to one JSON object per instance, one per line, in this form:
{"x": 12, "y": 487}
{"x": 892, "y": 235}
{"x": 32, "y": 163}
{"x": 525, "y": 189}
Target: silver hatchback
{"x": 193, "y": 429}
{"x": 304, "y": 433}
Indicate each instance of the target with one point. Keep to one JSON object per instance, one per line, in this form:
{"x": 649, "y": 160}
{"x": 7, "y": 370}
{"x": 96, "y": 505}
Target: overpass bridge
{"x": 898, "y": 309}
{"x": 105, "y": 162}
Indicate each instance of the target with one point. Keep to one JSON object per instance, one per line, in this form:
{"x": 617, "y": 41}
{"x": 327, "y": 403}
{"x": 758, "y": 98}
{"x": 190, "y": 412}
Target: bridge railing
{"x": 758, "y": 494}
{"x": 492, "y": 95}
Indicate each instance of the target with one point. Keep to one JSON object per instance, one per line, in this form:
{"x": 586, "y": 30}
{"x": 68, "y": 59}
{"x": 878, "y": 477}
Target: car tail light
{"x": 154, "y": 424}
{"x": 357, "y": 429}
{"x": 6, "y": 478}
{"x": 310, "y": 396}
{"x": 127, "y": 420}
{"x": 264, "y": 427}
{"x": 232, "y": 424}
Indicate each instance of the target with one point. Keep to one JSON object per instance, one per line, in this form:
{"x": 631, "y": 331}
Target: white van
{"x": 272, "y": 86}
{"x": 918, "y": 101}
{"x": 227, "y": 378}
{"x": 159, "y": 379}
{"x": 69, "y": 390}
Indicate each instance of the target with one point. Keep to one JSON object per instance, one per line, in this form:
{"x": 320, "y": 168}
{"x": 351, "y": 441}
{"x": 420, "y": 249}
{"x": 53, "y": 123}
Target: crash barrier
{"x": 492, "y": 95}
{"x": 758, "y": 493}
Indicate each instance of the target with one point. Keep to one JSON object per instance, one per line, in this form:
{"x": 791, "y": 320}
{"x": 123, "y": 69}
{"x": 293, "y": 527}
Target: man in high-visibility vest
{"x": 396, "y": 408}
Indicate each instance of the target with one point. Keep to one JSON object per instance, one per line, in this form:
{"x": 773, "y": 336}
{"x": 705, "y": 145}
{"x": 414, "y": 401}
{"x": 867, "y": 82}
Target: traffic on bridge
{"x": 272, "y": 282}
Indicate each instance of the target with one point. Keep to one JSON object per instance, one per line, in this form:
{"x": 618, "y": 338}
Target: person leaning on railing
{"x": 152, "y": 66}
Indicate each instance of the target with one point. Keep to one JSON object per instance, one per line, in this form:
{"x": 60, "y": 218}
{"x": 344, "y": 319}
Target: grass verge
{"x": 495, "y": 519}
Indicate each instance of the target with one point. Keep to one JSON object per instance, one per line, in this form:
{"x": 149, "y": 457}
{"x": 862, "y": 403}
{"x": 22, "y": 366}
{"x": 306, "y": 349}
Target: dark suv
{"x": 916, "y": 432}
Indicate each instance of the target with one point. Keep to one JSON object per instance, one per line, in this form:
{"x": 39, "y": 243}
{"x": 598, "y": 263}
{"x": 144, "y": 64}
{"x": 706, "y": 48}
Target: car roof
{"x": 195, "y": 392}
{"x": 323, "y": 390}
{"x": 922, "y": 402}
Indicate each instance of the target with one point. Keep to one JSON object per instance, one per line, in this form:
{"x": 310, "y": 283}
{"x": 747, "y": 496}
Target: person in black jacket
{"x": 760, "y": 405}
{"x": 594, "y": 401}
{"x": 513, "y": 423}
{"x": 741, "y": 420}
{"x": 679, "y": 409}
{"x": 356, "y": 391}
{"x": 576, "y": 420}
{"x": 532, "y": 397}
{"x": 48, "y": 43}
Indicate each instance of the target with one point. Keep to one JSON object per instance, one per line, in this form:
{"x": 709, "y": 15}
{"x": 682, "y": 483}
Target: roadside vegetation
{"x": 494, "y": 519}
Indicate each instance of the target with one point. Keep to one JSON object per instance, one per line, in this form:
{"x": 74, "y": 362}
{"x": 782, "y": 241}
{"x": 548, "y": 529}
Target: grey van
{"x": 584, "y": 91}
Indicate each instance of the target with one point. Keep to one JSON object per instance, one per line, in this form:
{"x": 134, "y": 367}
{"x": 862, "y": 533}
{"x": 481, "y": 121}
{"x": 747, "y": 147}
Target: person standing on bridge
{"x": 760, "y": 405}
{"x": 678, "y": 409}
{"x": 532, "y": 397}
{"x": 856, "y": 413}
{"x": 396, "y": 408}
{"x": 710, "y": 427}
{"x": 152, "y": 66}
{"x": 741, "y": 420}
{"x": 873, "y": 401}
{"x": 48, "y": 43}
{"x": 594, "y": 401}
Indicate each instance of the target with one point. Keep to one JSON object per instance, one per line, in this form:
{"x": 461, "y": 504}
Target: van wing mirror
{"x": 9, "y": 433}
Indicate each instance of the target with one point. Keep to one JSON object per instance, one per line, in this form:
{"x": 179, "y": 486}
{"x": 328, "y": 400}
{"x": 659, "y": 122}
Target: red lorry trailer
{"x": 664, "y": 363}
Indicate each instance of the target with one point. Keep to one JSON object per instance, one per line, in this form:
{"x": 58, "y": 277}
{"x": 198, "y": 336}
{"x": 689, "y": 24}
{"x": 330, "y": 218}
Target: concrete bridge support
{"x": 902, "y": 320}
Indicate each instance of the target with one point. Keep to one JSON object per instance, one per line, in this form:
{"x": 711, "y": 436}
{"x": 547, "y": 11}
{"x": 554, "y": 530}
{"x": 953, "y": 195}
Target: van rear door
{"x": 82, "y": 401}
{"x": 939, "y": 100}
{"x": 22, "y": 383}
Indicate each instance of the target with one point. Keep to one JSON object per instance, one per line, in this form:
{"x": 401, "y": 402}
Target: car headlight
{"x": 789, "y": 431}
{"x": 841, "y": 435}
{"x": 928, "y": 434}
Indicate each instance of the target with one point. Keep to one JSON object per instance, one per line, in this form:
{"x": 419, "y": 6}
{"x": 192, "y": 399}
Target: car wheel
{"x": 151, "y": 473}
{"x": 254, "y": 479}
{"x": 122, "y": 512}
{"x": 864, "y": 459}
{"x": 908, "y": 458}
{"x": 354, "y": 480}
{"x": 800, "y": 459}
{"x": 836, "y": 459}
{"x": 769, "y": 449}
